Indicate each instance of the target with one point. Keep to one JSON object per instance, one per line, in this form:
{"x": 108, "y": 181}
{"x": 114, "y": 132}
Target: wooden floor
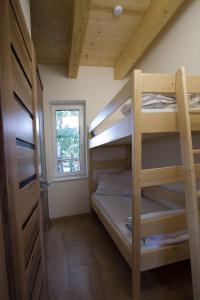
{"x": 84, "y": 264}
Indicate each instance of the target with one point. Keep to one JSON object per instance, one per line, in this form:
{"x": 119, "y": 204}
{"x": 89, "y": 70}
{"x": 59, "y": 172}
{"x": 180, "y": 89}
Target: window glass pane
{"x": 68, "y": 140}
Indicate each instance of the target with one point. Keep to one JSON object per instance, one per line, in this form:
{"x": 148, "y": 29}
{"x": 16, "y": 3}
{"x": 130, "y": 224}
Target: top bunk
{"x": 152, "y": 120}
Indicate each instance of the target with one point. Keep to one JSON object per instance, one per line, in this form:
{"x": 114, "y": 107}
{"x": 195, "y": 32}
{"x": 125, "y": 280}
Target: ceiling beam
{"x": 156, "y": 17}
{"x": 80, "y": 21}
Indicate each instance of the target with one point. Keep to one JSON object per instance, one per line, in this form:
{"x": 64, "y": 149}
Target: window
{"x": 68, "y": 128}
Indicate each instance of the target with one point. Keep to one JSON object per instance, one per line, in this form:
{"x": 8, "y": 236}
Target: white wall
{"x": 178, "y": 45}
{"x": 96, "y": 86}
{"x": 25, "y": 4}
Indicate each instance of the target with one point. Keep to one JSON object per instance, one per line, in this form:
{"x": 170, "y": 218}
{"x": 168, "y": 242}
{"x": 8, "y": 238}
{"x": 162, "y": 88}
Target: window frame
{"x": 67, "y": 105}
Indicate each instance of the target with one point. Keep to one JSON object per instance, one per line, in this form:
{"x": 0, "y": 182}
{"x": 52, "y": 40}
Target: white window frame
{"x": 69, "y": 105}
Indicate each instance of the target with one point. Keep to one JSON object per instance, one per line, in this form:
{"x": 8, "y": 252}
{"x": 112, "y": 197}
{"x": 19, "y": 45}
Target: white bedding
{"x": 156, "y": 101}
{"x": 118, "y": 209}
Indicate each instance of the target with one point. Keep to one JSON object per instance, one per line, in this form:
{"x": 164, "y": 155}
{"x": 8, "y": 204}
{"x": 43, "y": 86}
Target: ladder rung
{"x": 194, "y": 111}
{"x": 198, "y": 194}
{"x": 196, "y": 151}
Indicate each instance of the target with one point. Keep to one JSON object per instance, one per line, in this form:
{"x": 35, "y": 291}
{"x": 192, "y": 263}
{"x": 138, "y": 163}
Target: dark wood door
{"x": 19, "y": 139}
{"x": 3, "y": 273}
{"x": 4, "y": 294}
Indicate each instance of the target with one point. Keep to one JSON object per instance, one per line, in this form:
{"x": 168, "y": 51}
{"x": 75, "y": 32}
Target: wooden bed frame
{"x": 146, "y": 122}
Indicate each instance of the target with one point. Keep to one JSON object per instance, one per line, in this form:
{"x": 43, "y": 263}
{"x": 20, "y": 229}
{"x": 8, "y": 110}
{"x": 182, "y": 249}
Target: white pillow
{"x": 115, "y": 184}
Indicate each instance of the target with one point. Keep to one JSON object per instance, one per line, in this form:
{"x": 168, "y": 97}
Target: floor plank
{"x": 84, "y": 264}
{"x": 58, "y": 274}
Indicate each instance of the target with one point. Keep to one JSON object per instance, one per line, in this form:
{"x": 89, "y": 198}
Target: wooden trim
{"x": 20, "y": 85}
{"x": 157, "y": 176}
{"x": 80, "y": 21}
{"x": 167, "y": 121}
{"x": 164, "y": 224}
{"x": 136, "y": 173}
{"x": 193, "y": 84}
{"x": 37, "y": 160}
{"x": 109, "y": 164}
{"x": 16, "y": 7}
{"x": 165, "y": 83}
{"x": 158, "y": 83}
{"x": 19, "y": 47}
{"x": 163, "y": 256}
{"x": 90, "y": 177}
{"x": 189, "y": 178}
{"x": 155, "y": 19}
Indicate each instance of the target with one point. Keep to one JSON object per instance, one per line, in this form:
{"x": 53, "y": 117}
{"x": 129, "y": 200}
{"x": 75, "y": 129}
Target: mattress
{"x": 118, "y": 209}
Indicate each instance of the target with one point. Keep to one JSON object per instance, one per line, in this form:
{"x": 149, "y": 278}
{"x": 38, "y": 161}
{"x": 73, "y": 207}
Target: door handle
{"x": 44, "y": 183}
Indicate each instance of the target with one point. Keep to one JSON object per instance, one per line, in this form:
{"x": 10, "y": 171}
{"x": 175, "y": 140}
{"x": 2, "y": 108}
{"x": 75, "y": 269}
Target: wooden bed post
{"x": 90, "y": 177}
{"x": 189, "y": 178}
{"x": 136, "y": 172}
{"x": 129, "y": 154}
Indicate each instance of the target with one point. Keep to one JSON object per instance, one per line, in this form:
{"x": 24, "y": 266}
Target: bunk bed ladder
{"x": 136, "y": 169}
{"x": 191, "y": 193}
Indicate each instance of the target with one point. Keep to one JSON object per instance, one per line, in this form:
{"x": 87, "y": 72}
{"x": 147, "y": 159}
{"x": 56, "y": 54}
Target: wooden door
{"x": 18, "y": 98}
{"x": 3, "y": 272}
{"x": 4, "y": 294}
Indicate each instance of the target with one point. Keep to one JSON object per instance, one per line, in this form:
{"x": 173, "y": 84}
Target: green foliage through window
{"x": 68, "y": 140}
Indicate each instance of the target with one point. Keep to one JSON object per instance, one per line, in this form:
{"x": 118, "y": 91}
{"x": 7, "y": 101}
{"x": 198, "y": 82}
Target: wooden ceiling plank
{"x": 156, "y": 17}
{"x": 105, "y": 37}
{"x": 109, "y": 10}
{"x": 131, "y": 5}
{"x": 80, "y": 21}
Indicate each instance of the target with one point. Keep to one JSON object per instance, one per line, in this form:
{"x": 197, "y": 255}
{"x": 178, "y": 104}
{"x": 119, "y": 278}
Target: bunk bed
{"x": 161, "y": 218}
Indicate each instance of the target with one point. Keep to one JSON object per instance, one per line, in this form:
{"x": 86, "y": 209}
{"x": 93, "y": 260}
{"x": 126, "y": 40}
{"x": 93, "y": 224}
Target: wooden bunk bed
{"x": 129, "y": 132}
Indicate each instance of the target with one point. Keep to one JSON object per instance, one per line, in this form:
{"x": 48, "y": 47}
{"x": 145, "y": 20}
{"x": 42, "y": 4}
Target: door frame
{"x": 42, "y": 153}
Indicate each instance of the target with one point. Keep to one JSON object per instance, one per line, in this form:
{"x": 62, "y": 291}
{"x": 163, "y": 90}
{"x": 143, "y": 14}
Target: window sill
{"x": 57, "y": 180}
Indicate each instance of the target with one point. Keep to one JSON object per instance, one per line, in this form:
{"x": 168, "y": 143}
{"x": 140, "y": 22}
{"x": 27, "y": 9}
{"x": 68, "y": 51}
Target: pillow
{"x": 115, "y": 184}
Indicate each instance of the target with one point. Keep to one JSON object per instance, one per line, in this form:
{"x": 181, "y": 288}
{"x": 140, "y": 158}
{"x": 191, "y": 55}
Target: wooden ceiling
{"x": 85, "y": 32}
{"x": 107, "y": 35}
{"x": 52, "y": 30}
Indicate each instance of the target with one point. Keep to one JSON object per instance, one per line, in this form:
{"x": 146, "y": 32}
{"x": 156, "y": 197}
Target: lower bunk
{"x": 160, "y": 244}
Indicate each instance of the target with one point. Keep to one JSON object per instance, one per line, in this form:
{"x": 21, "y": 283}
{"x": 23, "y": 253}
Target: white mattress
{"x": 118, "y": 209}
